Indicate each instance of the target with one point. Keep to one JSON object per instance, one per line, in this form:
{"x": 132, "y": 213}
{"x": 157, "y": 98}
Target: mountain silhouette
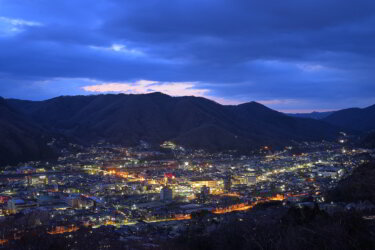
{"x": 21, "y": 139}
{"x": 193, "y": 122}
{"x": 358, "y": 119}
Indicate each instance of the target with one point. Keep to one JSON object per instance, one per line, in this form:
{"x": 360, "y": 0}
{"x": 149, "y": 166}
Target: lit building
{"x": 39, "y": 180}
{"x": 244, "y": 180}
{"x": 227, "y": 183}
{"x": 198, "y": 183}
{"x": 76, "y": 201}
{"x": 168, "y": 144}
{"x": 16, "y": 205}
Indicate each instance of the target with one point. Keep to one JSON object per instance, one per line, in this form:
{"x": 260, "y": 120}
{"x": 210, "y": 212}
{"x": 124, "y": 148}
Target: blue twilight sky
{"x": 291, "y": 55}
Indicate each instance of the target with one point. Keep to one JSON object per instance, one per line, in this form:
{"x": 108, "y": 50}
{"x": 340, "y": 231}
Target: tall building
{"x": 166, "y": 194}
{"x": 251, "y": 180}
{"x": 244, "y": 180}
{"x": 228, "y": 183}
{"x": 205, "y": 191}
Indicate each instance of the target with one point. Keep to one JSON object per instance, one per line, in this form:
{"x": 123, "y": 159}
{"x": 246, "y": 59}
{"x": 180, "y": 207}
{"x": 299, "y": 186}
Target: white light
{"x": 118, "y": 47}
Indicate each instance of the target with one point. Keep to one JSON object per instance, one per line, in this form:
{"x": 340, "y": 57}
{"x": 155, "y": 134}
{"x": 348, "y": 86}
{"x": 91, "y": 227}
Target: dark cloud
{"x": 290, "y": 54}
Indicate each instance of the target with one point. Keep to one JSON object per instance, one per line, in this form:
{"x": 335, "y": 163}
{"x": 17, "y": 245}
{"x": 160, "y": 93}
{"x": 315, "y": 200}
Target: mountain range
{"x": 354, "y": 118}
{"x": 20, "y": 138}
{"x": 193, "y": 122}
{"x": 312, "y": 115}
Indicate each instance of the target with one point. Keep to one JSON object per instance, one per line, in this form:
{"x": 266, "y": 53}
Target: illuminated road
{"x": 264, "y": 176}
{"x": 244, "y": 206}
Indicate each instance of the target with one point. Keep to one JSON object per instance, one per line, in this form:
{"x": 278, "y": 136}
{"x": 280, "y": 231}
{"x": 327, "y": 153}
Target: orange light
{"x": 236, "y": 207}
{"x": 109, "y": 222}
{"x": 278, "y": 197}
{"x": 182, "y": 217}
{"x": 244, "y": 206}
{"x": 62, "y": 229}
{"x": 3, "y": 241}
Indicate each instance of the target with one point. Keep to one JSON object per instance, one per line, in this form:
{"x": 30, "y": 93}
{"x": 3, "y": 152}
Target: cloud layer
{"x": 145, "y": 87}
{"x": 305, "y": 55}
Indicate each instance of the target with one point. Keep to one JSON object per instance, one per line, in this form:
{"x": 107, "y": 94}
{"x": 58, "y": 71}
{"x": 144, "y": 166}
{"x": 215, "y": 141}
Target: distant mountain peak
{"x": 252, "y": 104}
{"x": 157, "y": 93}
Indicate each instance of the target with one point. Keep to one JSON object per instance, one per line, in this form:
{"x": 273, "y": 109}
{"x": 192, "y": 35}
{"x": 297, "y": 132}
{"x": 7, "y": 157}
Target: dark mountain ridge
{"x": 190, "y": 121}
{"x": 21, "y": 139}
{"x": 359, "y": 119}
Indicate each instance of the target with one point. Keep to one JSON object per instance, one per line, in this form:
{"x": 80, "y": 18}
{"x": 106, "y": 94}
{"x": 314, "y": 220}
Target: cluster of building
{"x": 124, "y": 187}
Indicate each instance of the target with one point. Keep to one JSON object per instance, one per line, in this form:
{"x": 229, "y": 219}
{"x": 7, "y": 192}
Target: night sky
{"x": 293, "y": 56}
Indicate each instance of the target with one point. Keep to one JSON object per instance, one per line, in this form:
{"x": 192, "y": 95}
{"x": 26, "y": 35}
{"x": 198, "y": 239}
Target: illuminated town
{"x": 137, "y": 190}
{"x": 187, "y": 125}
